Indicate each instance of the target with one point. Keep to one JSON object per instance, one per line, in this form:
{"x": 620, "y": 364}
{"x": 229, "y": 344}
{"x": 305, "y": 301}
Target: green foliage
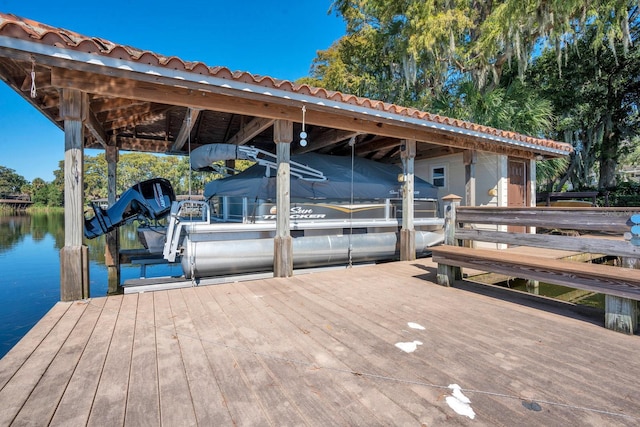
{"x": 366, "y": 64}
{"x": 625, "y": 194}
{"x": 135, "y": 167}
{"x": 462, "y": 59}
{"x": 548, "y": 172}
{"x": 10, "y": 182}
{"x": 631, "y": 155}
{"x": 131, "y": 169}
{"x": 596, "y": 100}
{"x": 478, "y": 38}
{"x": 515, "y": 106}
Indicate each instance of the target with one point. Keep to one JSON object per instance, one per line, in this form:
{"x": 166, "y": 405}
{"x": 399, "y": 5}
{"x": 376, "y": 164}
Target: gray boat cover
{"x": 202, "y": 157}
{"x": 371, "y": 180}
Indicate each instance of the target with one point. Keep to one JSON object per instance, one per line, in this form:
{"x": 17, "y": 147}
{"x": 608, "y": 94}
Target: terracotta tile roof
{"x": 21, "y": 28}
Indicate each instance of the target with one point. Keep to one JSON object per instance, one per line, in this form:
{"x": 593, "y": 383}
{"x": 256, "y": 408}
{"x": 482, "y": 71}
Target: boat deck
{"x": 322, "y": 349}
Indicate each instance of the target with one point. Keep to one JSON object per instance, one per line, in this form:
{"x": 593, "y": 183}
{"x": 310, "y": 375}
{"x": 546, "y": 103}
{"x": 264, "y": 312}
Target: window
{"x": 438, "y": 176}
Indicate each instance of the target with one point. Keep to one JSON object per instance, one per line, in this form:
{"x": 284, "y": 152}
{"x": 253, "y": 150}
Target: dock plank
{"x": 143, "y": 398}
{"x": 237, "y": 396}
{"x": 205, "y": 393}
{"x": 19, "y": 354}
{"x": 281, "y": 365}
{"x": 366, "y": 355}
{"x": 176, "y": 407}
{"x": 44, "y": 399}
{"x": 15, "y": 392}
{"x": 110, "y": 398}
{"x": 295, "y": 353}
{"x": 325, "y": 382}
{"x": 75, "y": 406}
{"x": 467, "y": 330}
{"x": 319, "y": 349}
{"x": 273, "y": 401}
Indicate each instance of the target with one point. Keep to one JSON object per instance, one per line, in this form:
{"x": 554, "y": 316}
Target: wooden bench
{"x": 599, "y": 278}
{"x": 620, "y": 286}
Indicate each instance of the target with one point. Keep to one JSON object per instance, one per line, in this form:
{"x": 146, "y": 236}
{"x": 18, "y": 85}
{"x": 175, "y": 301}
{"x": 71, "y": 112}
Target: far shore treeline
{"x": 132, "y": 168}
{"x": 136, "y": 167}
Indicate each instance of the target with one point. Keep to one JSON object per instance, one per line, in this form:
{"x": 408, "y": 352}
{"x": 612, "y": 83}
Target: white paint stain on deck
{"x": 408, "y": 347}
{"x": 459, "y": 402}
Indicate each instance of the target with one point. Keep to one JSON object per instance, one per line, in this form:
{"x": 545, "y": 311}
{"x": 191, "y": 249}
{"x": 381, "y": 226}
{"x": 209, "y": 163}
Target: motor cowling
{"x": 149, "y": 199}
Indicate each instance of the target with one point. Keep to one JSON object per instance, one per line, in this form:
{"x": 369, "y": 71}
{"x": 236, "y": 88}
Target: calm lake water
{"x": 30, "y": 270}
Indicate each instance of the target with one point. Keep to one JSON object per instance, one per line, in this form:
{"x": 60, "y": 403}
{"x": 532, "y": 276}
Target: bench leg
{"x": 447, "y": 274}
{"x": 621, "y": 314}
{"x": 533, "y": 286}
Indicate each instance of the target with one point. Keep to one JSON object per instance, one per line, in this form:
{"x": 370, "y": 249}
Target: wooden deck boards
{"x": 319, "y": 349}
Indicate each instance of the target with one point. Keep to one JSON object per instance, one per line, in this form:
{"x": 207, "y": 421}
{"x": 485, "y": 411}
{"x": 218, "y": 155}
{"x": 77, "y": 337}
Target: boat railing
{"x": 270, "y": 161}
{"x": 245, "y": 210}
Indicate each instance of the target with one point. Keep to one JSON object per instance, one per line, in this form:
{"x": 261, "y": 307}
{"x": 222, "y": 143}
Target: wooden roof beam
{"x": 42, "y": 81}
{"x": 133, "y": 120}
{"x": 436, "y": 151}
{"x": 383, "y": 143}
{"x": 108, "y": 104}
{"x": 122, "y": 115}
{"x": 142, "y": 144}
{"x": 185, "y": 130}
{"x": 250, "y": 130}
{"x": 226, "y": 100}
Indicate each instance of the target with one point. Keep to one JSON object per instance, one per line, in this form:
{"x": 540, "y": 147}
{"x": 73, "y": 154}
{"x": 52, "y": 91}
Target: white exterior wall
{"x": 491, "y": 181}
{"x": 491, "y": 177}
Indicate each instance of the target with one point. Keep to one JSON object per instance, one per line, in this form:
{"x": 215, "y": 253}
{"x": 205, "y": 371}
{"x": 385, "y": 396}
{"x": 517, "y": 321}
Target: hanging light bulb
{"x": 303, "y": 134}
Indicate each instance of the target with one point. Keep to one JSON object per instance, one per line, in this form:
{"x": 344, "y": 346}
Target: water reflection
{"x": 30, "y": 266}
{"x": 15, "y": 228}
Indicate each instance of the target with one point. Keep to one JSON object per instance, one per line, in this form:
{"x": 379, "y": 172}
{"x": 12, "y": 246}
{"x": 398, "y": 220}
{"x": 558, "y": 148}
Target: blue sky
{"x": 277, "y": 38}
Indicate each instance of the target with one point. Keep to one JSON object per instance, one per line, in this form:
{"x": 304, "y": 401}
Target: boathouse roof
{"x": 143, "y": 101}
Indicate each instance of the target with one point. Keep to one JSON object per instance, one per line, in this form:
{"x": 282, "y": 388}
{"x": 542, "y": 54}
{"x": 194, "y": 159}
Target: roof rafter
{"x": 258, "y": 105}
{"x": 94, "y": 126}
{"x": 185, "y": 130}
{"x": 329, "y": 137}
{"x": 250, "y": 130}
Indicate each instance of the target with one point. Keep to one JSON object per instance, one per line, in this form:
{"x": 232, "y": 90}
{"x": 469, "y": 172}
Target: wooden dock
{"x": 321, "y": 349}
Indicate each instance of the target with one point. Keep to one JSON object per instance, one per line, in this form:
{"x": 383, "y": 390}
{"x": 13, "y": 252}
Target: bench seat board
{"x": 609, "y": 246}
{"x": 599, "y": 278}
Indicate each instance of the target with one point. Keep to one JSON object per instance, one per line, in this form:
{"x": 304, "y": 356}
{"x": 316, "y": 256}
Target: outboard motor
{"x": 146, "y": 200}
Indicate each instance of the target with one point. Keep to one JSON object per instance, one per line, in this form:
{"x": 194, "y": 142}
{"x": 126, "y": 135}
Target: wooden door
{"x": 517, "y": 188}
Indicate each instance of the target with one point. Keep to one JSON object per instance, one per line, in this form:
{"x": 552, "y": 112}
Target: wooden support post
{"x": 74, "y": 256}
{"x": 283, "y": 245}
{"x": 447, "y": 274}
{"x": 621, "y": 314}
{"x": 470, "y": 158}
{"x": 408, "y": 233}
{"x": 112, "y": 238}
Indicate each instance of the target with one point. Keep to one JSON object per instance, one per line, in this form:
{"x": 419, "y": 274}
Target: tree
{"x": 10, "y": 182}
{"x": 39, "y": 192}
{"x": 456, "y": 53}
{"x": 95, "y": 176}
{"x": 513, "y": 106}
{"x": 596, "y": 100}
{"x": 366, "y": 64}
{"x": 443, "y": 39}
